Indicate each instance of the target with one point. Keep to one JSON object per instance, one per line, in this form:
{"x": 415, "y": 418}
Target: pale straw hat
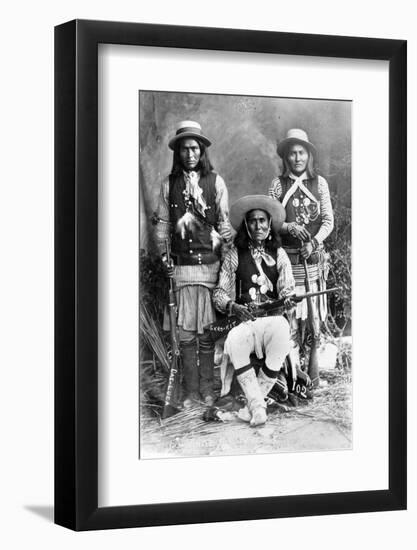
{"x": 295, "y": 135}
{"x": 190, "y": 129}
{"x": 241, "y": 207}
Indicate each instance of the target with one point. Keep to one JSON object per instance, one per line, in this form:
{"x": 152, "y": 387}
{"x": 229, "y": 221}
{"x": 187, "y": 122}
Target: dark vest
{"x": 196, "y": 247}
{"x": 301, "y": 209}
{"x": 245, "y": 269}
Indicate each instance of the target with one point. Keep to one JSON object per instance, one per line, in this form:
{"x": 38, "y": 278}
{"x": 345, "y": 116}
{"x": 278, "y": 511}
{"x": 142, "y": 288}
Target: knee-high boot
{"x": 190, "y": 372}
{"x": 206, "y": 368}
{"x": 255, "y": 399}
{"x": 266, "y": 383}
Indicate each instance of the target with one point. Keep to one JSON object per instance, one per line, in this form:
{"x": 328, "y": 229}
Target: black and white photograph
{"x": 245, "y": 334}
{"x": 208, "y": 283}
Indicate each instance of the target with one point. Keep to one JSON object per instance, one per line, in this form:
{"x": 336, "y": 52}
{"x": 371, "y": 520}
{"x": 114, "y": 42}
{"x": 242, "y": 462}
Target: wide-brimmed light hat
{"x": 295, "y": 135}
{"x": 190, "y": 129}
{"x": 241, "y": 207}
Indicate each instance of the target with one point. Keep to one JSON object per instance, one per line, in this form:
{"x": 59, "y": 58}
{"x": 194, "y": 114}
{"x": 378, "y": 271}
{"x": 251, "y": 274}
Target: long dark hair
{"x": 204, "y": 164}
{"x": 242, "y": 239}
{"x": 311, "y": 168}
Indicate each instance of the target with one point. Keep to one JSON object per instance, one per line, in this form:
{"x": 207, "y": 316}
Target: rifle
{"x": 223, "y": 326}
{"x": 313, "y": 363}
{"x": 172, "y": 394}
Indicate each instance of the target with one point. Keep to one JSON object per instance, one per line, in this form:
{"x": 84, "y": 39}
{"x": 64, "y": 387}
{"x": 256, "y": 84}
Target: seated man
{"x": 255, "y": 269}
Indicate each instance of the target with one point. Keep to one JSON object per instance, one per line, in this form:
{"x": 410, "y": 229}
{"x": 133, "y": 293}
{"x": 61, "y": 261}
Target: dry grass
{"x": 152, "y": 334}
{"x": 331, "y": 403}
{"x": 188, "y": 423}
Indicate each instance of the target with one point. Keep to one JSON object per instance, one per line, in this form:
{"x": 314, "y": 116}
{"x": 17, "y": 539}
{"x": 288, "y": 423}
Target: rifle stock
{"x": 173, "y": 390}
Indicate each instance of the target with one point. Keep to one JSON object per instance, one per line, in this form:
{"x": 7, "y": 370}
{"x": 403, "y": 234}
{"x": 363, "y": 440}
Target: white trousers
{"x": 268, "y": 337}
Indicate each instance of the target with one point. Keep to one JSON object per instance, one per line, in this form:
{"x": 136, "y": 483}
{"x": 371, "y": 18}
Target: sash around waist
{"x": 296, "y": 258}
{"x": 300, "y": 276}
{"x": 196, "y": 259}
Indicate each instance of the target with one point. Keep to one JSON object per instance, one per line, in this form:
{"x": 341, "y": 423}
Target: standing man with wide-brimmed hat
{"x": 309, "y": 221}
{"x": 193, "y": 215}
{"x": 255, "y": 269}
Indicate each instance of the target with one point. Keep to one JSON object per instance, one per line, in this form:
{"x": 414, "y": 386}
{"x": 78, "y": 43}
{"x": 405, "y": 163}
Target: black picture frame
{"x": 76, "y": 272}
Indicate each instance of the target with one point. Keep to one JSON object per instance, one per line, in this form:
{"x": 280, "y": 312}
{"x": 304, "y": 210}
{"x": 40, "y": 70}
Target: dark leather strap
{"x": 196, "y": 259}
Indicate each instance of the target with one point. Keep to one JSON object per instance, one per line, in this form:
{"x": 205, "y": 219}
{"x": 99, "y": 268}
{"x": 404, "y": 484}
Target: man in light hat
{"x": 193, "y": 215}
{"x": 254, "y": 270}
{"x": 309, "y": 221}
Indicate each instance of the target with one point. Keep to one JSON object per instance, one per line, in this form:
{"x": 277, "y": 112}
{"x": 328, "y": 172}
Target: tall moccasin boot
{"x": 190, "y": 373}
{"x": 266, "y": 383}
{"x": 206, "y": 368}
{"x": 252, "y": 391}
{"x": 207, "y": 377}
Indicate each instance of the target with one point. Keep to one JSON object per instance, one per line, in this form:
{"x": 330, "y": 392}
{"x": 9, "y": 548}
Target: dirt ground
{"x": 321, "y": 423}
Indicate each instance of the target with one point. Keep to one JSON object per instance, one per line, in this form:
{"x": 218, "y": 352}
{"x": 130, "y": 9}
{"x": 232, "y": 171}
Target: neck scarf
{"x": 194, "y": 190}
{"x": 298, "y": 184}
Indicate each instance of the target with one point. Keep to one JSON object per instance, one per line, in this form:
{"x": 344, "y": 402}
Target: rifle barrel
{"x": 220, "y": 328}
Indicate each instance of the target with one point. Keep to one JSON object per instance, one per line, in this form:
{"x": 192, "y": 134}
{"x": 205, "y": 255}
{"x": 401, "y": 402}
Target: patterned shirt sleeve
{"x": 225, "y": 289}
{"x": 285, "y": 283}
{"x": 275, "y": 189}
{"x": 326, "y": 211}
{"x": 222, "y": 210}
{"x": 163, "y": 225}
{"x": 275, "y": 192}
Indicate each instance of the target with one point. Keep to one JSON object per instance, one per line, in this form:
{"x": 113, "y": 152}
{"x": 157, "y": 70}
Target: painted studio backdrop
{"x": 244, "y": 132}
